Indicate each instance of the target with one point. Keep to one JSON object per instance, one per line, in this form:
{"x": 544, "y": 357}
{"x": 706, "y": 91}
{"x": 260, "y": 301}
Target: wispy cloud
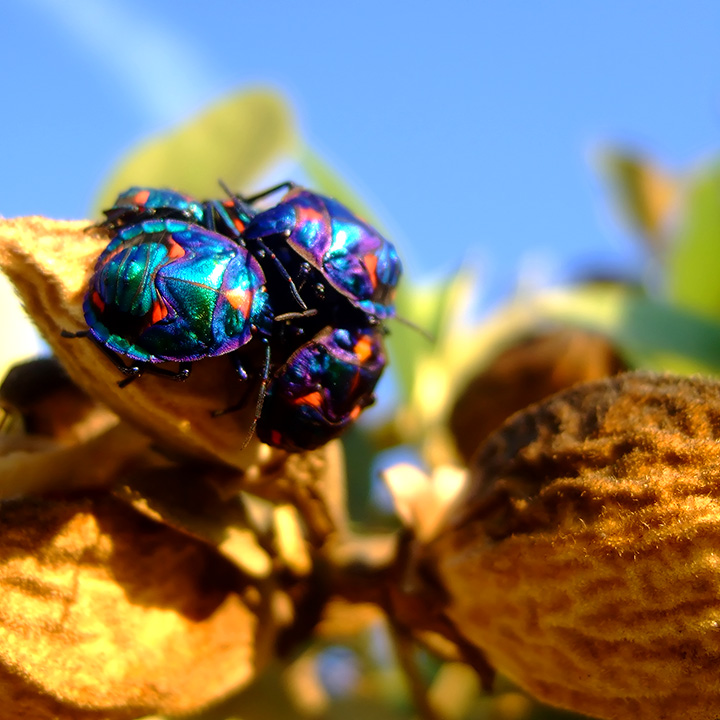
{"x": 147, "y": 58}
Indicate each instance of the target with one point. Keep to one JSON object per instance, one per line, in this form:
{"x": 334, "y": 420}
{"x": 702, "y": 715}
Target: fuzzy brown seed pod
{"x": 530, "y": 370}
{"x": 106, "y": 614}
{"x": 582, "y": 556}
{"x": 163, "y": 596}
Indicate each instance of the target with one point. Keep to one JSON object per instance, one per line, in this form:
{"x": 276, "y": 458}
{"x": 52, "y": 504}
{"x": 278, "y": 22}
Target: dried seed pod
{"x": 107, "y": 614}
{"x": 50, "y": 262}
{"x": 50, "y": 405}
{"x": 161, "y": 597}
{"x": 530, "y": 370}
{"x": 582, "y": 556}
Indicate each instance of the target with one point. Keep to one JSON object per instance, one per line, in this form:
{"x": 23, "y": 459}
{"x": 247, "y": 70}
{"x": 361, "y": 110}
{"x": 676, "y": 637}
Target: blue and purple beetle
{"x": 143, "y": 203}
{"x": 322, "y": 388}
{"x": 349, "y": 255}
{"x": 183, "y": 279}
{"x": 168, "y": 290}
{"x": 305, "y": 230}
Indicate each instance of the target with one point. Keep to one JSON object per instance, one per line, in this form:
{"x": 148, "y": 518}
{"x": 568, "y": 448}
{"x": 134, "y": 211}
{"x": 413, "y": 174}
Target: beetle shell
{"x": 143, "y": 203}
{"x": 137, "y": 204}
{"x": 168, "y": 290}
{"x": 322, "y": 388}
{"x": 351, "y": 255}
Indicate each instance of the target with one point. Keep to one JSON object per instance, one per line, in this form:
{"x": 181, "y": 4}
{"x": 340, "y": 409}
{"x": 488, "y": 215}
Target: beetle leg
{"x": 288, "y": 184}
{"x": 214, "y": 208}
{"x": 261, "y": 394}
{"x": 181, "y": 374}
{"x": 132, "y": 371}
{"x": 281, "y": 269}
{"x": 135, "y": 371}
{"x": 210, "y": 209}
{"x": 244, "y": 210}
{"x": 239, "y": 368}
{"x": 304, "y": 272}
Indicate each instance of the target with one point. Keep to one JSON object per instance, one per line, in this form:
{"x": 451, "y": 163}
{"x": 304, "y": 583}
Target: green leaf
{"x": 651, "y": 334}
{"x": 434, "y": 310}
{"x": 644, "y": 193}
{"x": 694, "y": 265}
{"x": 234, "y": 140}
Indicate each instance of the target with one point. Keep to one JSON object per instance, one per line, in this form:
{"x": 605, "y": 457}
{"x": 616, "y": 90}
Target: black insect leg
{"x": 283, "y": 272}
{"x": 261, "y": 394}
{"x": 210, "y": 210}
{"x": 245, "y": 211}
{"x": 287, "y": 185}
{"x": 304, "y": 272}
{"x": 215, "y": 209}
{"x": 134, "y": 371}
{"x": 131, "y": 372}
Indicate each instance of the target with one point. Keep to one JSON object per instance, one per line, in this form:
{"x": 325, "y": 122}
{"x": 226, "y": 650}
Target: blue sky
{"x": 469, "y": 126}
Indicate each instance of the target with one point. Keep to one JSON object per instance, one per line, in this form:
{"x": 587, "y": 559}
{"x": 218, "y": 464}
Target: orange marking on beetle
{"x": 355, "y": 412}
{"x": 306, "y": 214}
{"x": 97, "y": 301}
{"x": 175, "y": 250}
{"x": 141, "y": 197}
{"x": 159, "y": 311}
{"x": 240, "y": 299}
{"x": 363, "y": 348}
{"x": 370, "y": 262}
{"x": 314, "y": 399}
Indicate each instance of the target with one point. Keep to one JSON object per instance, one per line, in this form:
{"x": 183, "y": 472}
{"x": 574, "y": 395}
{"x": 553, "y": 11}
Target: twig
{"x": 404, "y": 647}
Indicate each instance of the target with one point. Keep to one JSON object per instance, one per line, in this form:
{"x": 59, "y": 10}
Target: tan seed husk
{"x": 106, "y": 614}
{"x": 582, "y": 557}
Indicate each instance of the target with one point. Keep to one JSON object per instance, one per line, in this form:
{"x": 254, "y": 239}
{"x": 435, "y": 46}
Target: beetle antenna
{"x": 408, "y": 323}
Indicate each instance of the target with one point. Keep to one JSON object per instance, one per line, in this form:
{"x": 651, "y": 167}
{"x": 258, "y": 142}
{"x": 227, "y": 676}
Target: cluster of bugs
{"x": 296, "y": 295}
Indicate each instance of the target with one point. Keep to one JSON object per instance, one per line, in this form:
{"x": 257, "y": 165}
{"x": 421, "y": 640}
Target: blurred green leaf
{"x": 234, "y": 140}
{"x": 694, "y": 264}
{"x": 360, "y": 453}
{"x": 434, "y": 309}
{"x": 644, "y": 193}
{"x": 651, "y": 334}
